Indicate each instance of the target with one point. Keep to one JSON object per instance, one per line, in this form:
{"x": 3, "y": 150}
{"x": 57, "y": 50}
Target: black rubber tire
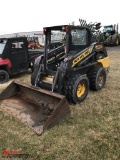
{"x": 71, "y": 87}
{"x": 115, "y": 40}
{"x": 35, "y": 70}
{"x": 4, "y": 76}
{"x": 34, "y": 75}
{"x": 109, "y": 41}
{"x": 119, "y": 39}
{"x": 94, "y": 77}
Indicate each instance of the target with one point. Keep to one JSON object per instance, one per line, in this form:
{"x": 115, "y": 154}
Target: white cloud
{"x": 33, "y": 15}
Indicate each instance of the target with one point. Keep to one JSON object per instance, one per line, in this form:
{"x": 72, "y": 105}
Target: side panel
{"x": 5, "y": 62}
{"x": 105, "y": 62}
{"x": 19, "y": 56}
{"x": 80, "y": 57}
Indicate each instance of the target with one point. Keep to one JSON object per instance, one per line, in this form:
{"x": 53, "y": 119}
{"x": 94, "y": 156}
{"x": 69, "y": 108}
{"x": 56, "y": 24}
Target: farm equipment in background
{"x": 94, "y": 28}
{"x": 110, "y": 35}
{"x": 37, "y": 44}
{"x": 66, "y": 72}
{"x": 33, "y": 43}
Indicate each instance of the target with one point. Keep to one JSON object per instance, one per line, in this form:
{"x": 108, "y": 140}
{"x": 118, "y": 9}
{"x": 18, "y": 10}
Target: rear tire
{"x": 97, "y": 78}
{"x": 76, "y": 88}
{"x": 4, "y": 76}
{"x": 115, "y": 40}
{"x": 109, "y": 41}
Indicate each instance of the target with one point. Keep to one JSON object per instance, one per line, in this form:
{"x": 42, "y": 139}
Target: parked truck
{"x": 15, "y": 57}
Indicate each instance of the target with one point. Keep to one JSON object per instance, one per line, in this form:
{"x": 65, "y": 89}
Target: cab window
{"x": 17, "y": 47}
{"x": 2, "y": 45}
{"x": 79, "y": 36}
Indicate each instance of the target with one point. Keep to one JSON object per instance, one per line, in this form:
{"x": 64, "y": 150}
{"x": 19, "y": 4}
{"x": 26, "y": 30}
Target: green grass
{"x": 91, "y": 132}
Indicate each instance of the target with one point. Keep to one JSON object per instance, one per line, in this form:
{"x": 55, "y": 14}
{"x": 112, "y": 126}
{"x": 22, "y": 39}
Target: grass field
{"x": 92, "y": 132}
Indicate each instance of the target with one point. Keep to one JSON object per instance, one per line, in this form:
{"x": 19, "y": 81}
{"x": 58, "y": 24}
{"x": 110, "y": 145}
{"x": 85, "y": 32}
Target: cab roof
{"x": 63, "y": 26}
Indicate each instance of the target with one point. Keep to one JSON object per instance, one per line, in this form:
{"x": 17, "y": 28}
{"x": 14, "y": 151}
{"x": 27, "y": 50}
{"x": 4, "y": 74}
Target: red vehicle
{"x": 33, "y": 42}
{"x": 15, "y": 57}
{"x": 31, "y": 45}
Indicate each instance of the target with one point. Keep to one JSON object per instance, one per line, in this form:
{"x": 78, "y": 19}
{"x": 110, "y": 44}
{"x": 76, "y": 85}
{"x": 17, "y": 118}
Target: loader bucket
{"x": 37, "y": 108}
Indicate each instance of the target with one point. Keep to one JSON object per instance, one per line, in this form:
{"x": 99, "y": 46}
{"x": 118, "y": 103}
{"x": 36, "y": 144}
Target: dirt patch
{"x": 27, "y": 112}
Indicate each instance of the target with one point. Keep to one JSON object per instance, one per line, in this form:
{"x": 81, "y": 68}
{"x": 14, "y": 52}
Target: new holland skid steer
{"x": 74, "y": 66}
{"x": 61, "y": 75}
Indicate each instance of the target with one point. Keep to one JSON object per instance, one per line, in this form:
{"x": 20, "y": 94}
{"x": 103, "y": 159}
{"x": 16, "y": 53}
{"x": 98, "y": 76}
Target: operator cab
{"x": 79, "y": 40}
{"x": 74, "y": 37}
{"x": 109, "y": 29}
{"x": 72, "y": 40}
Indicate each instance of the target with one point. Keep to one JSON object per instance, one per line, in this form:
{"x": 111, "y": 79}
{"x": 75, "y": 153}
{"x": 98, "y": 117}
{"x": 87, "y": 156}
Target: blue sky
{"x": 29, "y": 15}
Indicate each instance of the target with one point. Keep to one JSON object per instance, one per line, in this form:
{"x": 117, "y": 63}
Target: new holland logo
{"x": 80, "y": 57}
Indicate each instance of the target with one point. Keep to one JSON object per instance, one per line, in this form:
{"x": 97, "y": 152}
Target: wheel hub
{"x": 80, "y": 89}
{"x": 117, "y": 41}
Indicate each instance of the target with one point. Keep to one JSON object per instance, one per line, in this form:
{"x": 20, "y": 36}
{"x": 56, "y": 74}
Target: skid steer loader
{"x": 74, "y": 66}
{"x": 61, "y": 75}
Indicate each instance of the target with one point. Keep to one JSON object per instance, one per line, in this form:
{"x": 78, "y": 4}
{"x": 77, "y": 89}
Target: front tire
{"x": 34, "y": 75}
{"x": 97, "y": 78}
{"x": 4, "y": 76}
{"x": 76, "y": 88}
